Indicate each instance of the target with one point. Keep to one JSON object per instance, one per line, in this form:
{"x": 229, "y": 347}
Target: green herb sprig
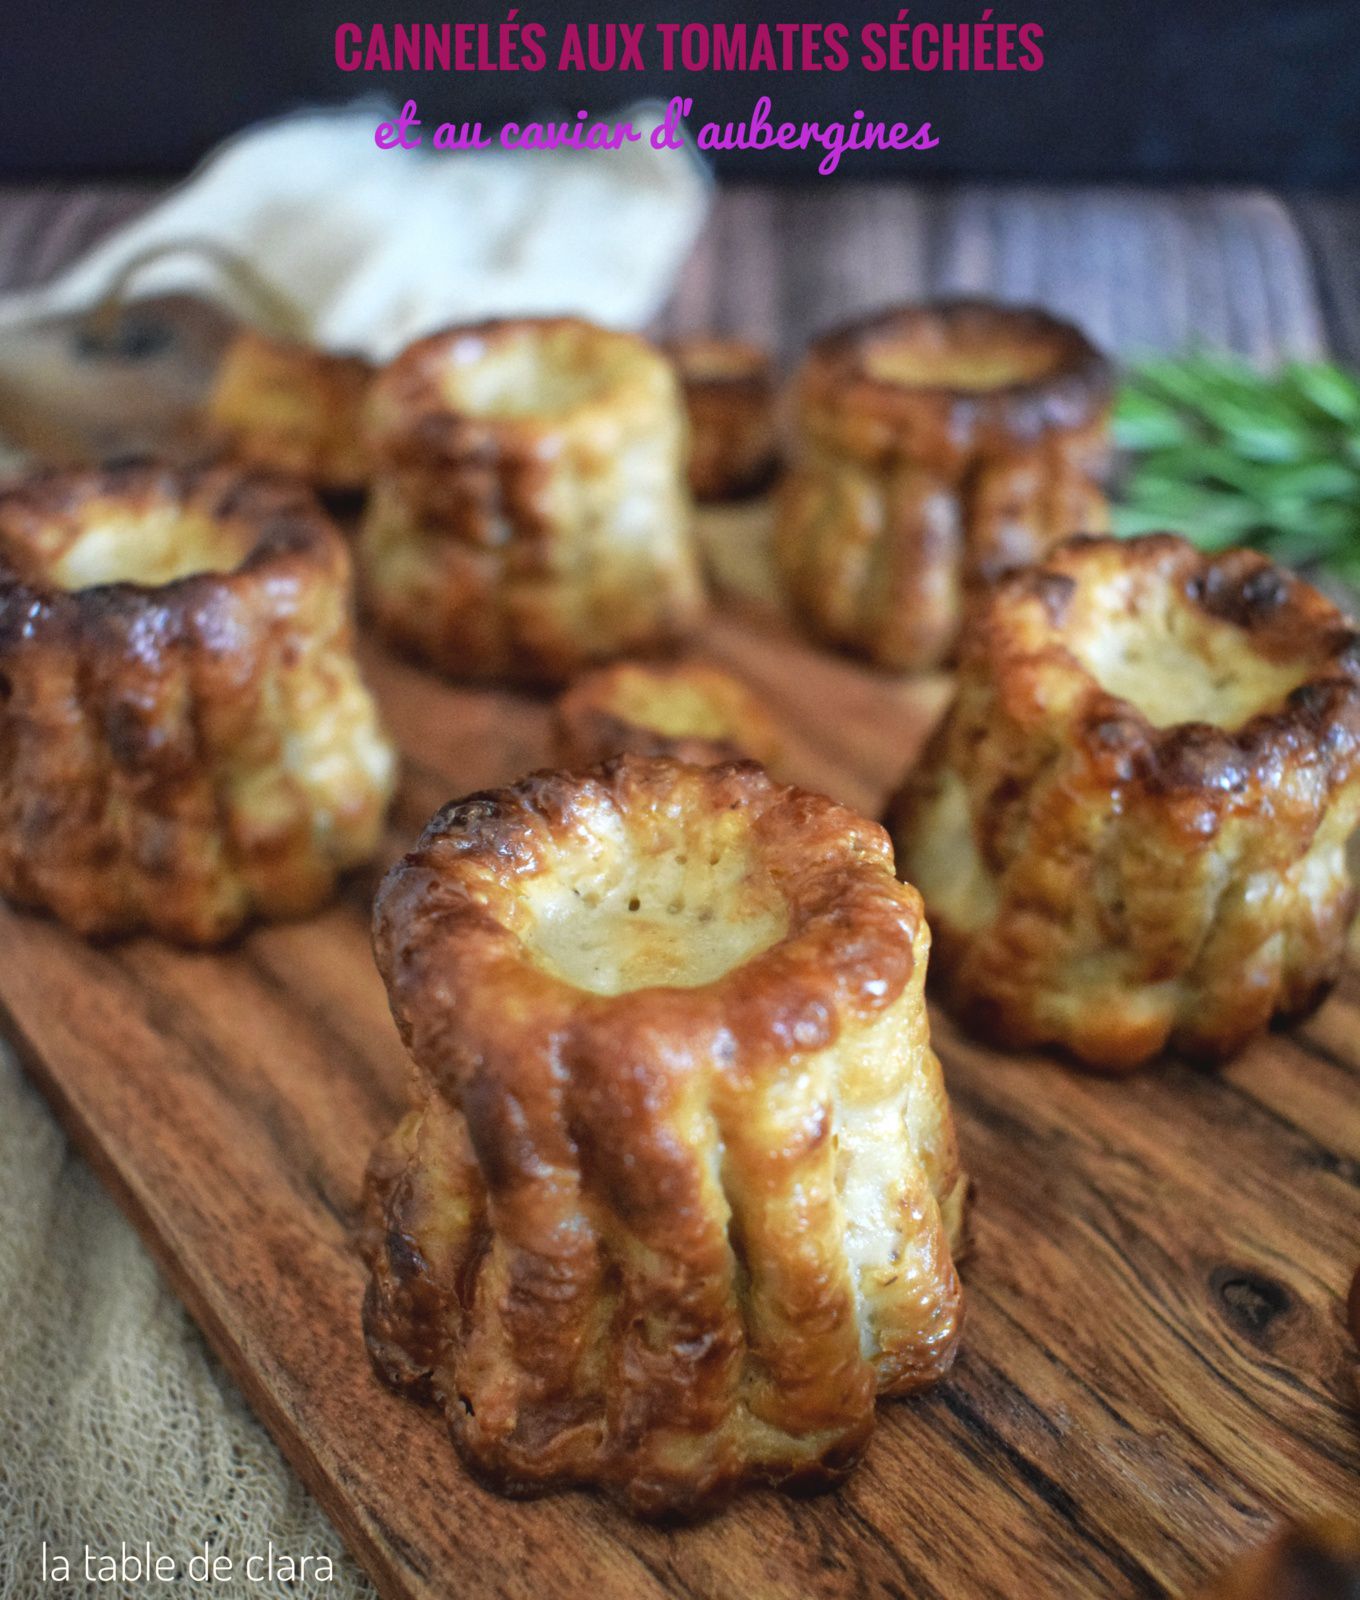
{"x": 1229, "y": 456}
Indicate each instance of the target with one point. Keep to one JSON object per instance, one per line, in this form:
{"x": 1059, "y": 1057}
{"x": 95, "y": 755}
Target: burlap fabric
{"x": 117, "y": 1425}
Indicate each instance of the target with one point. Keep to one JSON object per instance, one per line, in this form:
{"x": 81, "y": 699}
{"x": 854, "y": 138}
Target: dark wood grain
{"x": 1157, "y": 1365}
{"x": 1331, "y": 226}
{"x": 1141, "y": 270}
{"x": 44, "y": 228}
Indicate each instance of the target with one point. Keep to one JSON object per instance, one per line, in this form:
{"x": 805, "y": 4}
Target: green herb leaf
{"x": 1333, "y": 394}
{"x": 1227, "y": 456}
{"x": 1142, "y": 421}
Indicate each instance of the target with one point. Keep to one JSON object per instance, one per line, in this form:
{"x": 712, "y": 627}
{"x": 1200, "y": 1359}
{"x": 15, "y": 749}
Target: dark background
{"x": 1167, "y": 90}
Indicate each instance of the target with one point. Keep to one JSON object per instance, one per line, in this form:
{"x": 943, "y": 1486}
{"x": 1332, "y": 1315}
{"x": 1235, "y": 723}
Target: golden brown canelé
{"x": 730, "y": 395}
{"x": 679, "y": 1197}
{"x": 185, "y": 741}
{"x": 935, "y": 447}
{"x": 1314, "y": 1560}
{"x": 289, "y": 408}
{"x": 1130, "y": 828}
{"x": 529, "y": 514}
{"x": 683, "y": 709}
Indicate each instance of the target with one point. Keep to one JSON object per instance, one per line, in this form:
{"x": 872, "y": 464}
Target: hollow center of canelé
{"x": 942, "y": 359}
{"x": 530, "y": 371}
{"x": 1176, "y": 663}
{"x": 717, "y": 360}
{"x": 151, "y": 546}
{"x": 678, "y": 907}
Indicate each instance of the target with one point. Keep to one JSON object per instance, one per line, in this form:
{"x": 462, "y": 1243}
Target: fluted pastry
{"x": 1130, "y": 828}
{"x": 679, "y": 1196}
{"x": 290, "y": 408}
{"x": 185, "y": 741}
{"x": 1315, "y": 1560}
{"x": 529, "y": 516}
{"x": 729, "y": 388}
{"x": 935, "y": 446}
{"x": 686, "y": 709}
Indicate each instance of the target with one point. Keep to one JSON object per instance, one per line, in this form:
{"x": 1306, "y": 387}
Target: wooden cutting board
{"x": 1155, "y": 1368}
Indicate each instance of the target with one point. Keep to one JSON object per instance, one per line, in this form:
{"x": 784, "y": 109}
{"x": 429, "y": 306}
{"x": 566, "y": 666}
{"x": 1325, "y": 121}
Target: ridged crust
{"x": 904, "y": 493}
{"x": 729, "y": 388}
{"x": 614, "y": 1243}
{"x": 182, "y": 756}
{"x": 540, "y": 533}
{"x": 686, "y": 710}
{"x": 1113, "y": 885}
{"x": 1315, "y": 1560}
{"x": 289, "y": 408}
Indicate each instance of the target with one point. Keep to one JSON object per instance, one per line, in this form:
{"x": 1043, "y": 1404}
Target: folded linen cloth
{"x": 376, "y": 247}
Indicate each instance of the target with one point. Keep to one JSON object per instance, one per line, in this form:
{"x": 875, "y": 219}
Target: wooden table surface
{"x": 1084, "y": 1493}
{"x": 1245, "y": 269}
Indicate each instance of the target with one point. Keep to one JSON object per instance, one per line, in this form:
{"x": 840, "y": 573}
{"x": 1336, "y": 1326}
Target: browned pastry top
{"x": 1131, "y": 827}
{"x": 950, "y": 378}
{"x": 1197, "y": 676}
{"x": 289, "y": 407}
{"x": 685, "y": 709}
{"x": 729, "y": 387}
{"x": 795, "y": 877}
{"x": 110, "y": 545}
{"x": 185, "y": 741}
{"x": 510, "y": 385}
{"x": 705, "y": 359}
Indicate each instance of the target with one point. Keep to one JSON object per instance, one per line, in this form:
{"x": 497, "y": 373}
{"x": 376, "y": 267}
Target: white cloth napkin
{"x": 376, "y": 247}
